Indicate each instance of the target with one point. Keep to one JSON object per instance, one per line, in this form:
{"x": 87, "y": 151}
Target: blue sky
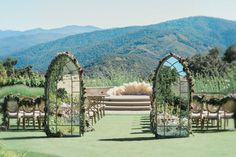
{"x": 26, "y": 14}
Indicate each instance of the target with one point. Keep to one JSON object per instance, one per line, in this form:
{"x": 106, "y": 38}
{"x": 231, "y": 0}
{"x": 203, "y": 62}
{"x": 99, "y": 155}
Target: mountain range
{"x": 136, "y": 48}
{"x": 15, "y": 41}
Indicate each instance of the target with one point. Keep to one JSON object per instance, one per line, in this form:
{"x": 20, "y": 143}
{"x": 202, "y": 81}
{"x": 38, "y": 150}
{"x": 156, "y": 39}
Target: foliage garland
{"x": 213, "y": 101}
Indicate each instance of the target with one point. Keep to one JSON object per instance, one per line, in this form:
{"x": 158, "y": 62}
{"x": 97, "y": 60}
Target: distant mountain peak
{"x": 71, "y": 29}
{"x": 15, "y": 41}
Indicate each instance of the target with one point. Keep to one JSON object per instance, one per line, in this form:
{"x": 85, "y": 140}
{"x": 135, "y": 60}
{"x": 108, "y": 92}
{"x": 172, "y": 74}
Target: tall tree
{"x": 230, "y": 54}
{"x": 25, "y": 72}
{"x": 3, "y": 74}
{"x": 9, "y": 64}
{"x": 214, "y": 52}
{"x": 210, "y": 64}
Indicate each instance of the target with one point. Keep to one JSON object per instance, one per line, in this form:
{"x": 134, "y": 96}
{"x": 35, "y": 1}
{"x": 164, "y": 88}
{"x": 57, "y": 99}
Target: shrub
{"x": 133, "y": 88}
{"x": 3, "y": 74}
{"x": 210, "y": 84}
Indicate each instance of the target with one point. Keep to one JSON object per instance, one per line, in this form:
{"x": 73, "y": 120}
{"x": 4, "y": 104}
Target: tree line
{"x": 212, "y": 64}
{"x": 9, "y": 75}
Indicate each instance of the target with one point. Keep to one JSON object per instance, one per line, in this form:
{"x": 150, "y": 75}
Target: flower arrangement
{"x": 170, "y": 125}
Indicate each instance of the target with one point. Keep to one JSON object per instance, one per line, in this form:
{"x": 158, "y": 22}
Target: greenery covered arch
{"x": 64, "y": 91}
{"x": 171, "y": 98}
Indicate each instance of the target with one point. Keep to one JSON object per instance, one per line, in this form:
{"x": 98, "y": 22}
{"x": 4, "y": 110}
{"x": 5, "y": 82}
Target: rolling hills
{"x": 136, "y": 48}
{"x": 15, "y": 41}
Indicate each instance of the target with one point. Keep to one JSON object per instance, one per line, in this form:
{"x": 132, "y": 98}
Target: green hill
{"x": 131, "y": 46}
{"x": 131, "y": 64}
{"x": 16, "y": 41}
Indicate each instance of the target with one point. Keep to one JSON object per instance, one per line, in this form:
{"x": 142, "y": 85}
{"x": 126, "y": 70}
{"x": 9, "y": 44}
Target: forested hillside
{"x": 15, "y": 41}
{"x": 135, "y": 48}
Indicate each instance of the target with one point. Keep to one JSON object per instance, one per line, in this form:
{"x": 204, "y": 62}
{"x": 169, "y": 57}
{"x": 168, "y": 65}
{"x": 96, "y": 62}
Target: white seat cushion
{"x": 42, "y": 114}
{"x": 12, "y": 114}
{"x": 228, "y": 115}
{"x": 30, "y": 114}
{"x": 213, "y": 115}
{"x": 195, "y": 115}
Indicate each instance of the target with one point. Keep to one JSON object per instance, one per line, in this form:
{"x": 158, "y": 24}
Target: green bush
{"x": 116, "y": 78}
{"x": 34, "y": 81}
{"x": 3, "y": 74}
{"x": 215, "y": 84}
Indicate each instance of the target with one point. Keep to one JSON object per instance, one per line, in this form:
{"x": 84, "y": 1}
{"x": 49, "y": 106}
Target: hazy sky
{"x": 25, "y": 14}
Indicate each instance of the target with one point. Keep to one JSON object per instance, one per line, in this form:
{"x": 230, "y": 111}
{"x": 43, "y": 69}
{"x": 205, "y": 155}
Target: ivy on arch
{"x": 171, "y": 98}
{"x": 64, "y": 92}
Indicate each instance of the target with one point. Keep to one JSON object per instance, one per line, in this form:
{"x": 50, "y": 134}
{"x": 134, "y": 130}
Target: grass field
{"x": 114, "y": 136}
{"x": 21, "y": 90}
{"x": 121, "y": 135}
{"x": 12, "y": 153}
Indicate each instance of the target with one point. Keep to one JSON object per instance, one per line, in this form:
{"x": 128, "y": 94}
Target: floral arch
{"x": 171, "y": 98}
{"x": 64, "y": 91}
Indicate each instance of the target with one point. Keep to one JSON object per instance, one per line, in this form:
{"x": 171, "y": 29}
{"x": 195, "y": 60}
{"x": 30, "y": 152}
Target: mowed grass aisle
{"x": 122, "y": 136}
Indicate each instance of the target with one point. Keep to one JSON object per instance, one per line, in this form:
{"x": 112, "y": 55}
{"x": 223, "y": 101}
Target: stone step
{"x": 127, "y": 103}
{"x": 133, "y": 103}
{"x": 128, "y": 112}
{"x": 127, "y": 108}
{"x": 127, "y": 98}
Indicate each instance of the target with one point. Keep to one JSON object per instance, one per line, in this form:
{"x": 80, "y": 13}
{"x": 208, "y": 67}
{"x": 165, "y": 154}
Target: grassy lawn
{"x": 121, "y": 135}
{"x": 21, "y": 90}
{"x": 12, "y": 153}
